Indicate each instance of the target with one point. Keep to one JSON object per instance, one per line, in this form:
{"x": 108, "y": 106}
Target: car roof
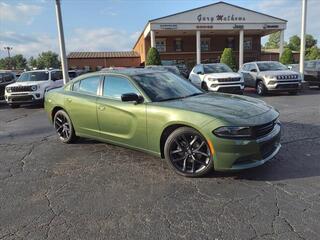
{"x": 132, "y": 71}
{"x": 43, "y": 70}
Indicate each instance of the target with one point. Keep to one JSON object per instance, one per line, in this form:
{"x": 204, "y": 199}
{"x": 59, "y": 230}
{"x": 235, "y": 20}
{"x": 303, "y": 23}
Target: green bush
{"x": 228, "y": 58}
{"x": 287, "y": 56}
{"x": 153, "y": 57}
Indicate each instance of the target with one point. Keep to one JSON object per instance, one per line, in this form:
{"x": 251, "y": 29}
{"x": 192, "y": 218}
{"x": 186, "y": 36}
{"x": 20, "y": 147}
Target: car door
{"x": 195, "y": 75}
{"x": 56, "y": 79}
{"x": 251, "y": 75}
{"x": 121, "y": 122}
{"x": 81, "y": 105}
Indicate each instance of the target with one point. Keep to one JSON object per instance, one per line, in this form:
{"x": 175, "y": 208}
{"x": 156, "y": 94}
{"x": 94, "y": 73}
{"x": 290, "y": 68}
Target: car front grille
{"x": 262, "y": 130}
{"x": 21, "y": 89}
{"x": 234, "y": 79}
{"x": 285, "y": 86}
{"x": 292, "y": 76}
{"x": 226, "y": 89}
{"x": 27, "y": 98}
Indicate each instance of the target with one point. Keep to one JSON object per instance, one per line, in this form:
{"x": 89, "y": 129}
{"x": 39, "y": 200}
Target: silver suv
{"x": 270, "y": 76}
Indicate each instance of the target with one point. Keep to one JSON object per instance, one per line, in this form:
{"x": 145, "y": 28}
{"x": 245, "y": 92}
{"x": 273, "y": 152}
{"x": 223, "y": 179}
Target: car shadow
{"x": 252, "y": 93}
{"x": 298, "y": 158}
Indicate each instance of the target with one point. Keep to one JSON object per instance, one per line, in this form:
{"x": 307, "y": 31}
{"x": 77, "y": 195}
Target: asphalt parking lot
{"x": 92, "y": 190}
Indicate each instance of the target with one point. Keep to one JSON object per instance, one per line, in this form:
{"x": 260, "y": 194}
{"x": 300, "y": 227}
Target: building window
{"x": 161, "y": 44}
{"x": 178, "y": 45}
{"x": 205, "y": 44}
{"x": 247, "y": 44}
{"x": 231, "y": 43}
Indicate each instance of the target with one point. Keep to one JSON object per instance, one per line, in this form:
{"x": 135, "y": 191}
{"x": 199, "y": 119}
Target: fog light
{"x": 37, "y": 95}
{"x": 213, "y": 85}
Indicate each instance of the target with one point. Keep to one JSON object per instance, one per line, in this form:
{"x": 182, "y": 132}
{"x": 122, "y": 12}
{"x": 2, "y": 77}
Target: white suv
{"x": 217, "y": 77}
{"x": 31, "y": 87}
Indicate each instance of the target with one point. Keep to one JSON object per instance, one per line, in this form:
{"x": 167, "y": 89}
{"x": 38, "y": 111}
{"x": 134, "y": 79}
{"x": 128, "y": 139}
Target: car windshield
{"x": 34, "y": 76}
{"x": 216, "y": 68}
{"x": 165, "y": 86}
{"x": 271, "y": 66}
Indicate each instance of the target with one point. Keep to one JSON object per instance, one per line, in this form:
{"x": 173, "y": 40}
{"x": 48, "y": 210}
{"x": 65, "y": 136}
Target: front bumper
{"x": 233, "y": 155}
{"x": 228, "y": 87}
{"x": 285, "y": 86}
{"x": 24, "y": 98}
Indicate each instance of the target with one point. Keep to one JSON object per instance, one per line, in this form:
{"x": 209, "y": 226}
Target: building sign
{"x": 267, "y": 26}
{"x": 219, "y": 18}
{"x": 204, "y": 26}
{"x": 237, "y": 26}
{"x": 168, "y": 26}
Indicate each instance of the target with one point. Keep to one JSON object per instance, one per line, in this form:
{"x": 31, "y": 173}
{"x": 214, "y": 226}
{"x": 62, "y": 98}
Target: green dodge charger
{"x": 162, "y": 114}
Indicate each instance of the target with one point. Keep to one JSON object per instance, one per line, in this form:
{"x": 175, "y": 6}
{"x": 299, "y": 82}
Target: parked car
{"x": 6, "y": 78}
{"x": 312, "y": 72}
{"x": 270, "y": 76}
{"x": 169, "y": 68}
{"x": 162, "y": 114}
{"x": 216, "y": 77}
{"x": 74, "y": 73}
{"x": 31, "y": 87}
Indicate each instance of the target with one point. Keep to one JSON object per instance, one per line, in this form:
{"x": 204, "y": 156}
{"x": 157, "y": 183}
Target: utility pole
{"x": 303, "y": 37}
{"x": 63, "y": 57}
{"x": 9, "y": 57}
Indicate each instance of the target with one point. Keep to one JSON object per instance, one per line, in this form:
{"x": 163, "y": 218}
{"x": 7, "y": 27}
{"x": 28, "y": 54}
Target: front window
{"x": 271, "y": 66}
{"x": 247, "y": 44}
{"x": 164, "y": 86}
{"x": 178, "y": 45}
{"x": 34, "y": 76}
{"x": 216, "y": 68}
{"x": 115, "y": 86}
{"x": 205, "y": 44}
{"x": 161, "y": 44}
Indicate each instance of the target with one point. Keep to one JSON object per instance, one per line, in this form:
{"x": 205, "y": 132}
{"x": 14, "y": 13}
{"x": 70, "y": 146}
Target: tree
{"x": 294, "y": 43}
{"x": 287, "y": 56}
{"x": 153, "y": 57}
{"x": 32, "y": 62}
{"x": 48, "y": 60}
{"x": 273, "y": 41}
{"x": 310, "y": 41}
{"x": 4, "y": 63}
{"x": 15, "y": 62}
{"x": 313, "y": 53}
{"x": 228, "y": 58}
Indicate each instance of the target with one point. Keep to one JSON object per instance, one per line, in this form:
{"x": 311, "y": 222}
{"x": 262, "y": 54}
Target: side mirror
{"x": 199, "y": 72}
{"x": 131, "y": 97}
{"x": 253, "y": 70}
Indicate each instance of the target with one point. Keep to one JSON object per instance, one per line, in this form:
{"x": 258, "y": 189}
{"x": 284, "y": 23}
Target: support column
{"x": 198, "y": 47}
{"x": 153, "y": 38}
{"x": 281, "y": 43}
{"x": 241, "y": 48}
{"x": 303, "y": 37}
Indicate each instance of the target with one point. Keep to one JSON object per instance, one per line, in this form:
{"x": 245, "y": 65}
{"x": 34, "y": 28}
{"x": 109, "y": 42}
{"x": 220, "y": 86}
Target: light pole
{"x": 64, "y": 63}
{"x": 9, "y": 57}
{"x": 303, "y": 37}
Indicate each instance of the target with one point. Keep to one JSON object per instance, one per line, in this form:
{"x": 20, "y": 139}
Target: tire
{"x": 293, "y": 92}
{"x": 63, "y": 125}
{"x": 187, "y": 153}
{"x": 204, "y": 86}
{"x": 14, "y": 105}
{"x": 261, "y": 88}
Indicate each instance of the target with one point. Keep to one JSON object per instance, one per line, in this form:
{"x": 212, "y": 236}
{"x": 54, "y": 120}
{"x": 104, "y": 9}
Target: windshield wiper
{"x": 176, "y": 98}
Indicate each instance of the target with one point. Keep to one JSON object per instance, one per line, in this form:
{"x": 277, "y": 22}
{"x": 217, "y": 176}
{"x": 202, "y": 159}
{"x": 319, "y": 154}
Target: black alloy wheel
{"x": 204, "y": 86}
{"x": 261, "y": 88}
{"x": 64, "y": 127}
{"x": 188, "y": 153}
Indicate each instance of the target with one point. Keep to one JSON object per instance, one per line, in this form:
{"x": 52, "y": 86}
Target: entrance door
{"x": 122, "y": 122}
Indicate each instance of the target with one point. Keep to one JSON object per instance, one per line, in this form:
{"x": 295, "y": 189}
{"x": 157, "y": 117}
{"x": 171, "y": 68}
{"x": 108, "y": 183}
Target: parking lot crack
{"x": 23, "y": 159}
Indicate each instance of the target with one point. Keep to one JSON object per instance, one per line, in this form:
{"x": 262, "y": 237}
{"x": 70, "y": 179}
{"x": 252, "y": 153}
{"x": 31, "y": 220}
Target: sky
{"x": 29, "y": 26}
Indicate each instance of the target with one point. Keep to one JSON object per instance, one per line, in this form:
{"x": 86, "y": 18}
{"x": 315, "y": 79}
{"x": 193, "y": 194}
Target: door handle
{"x": 69, "y": 99}
{"x": 101, "y": 108}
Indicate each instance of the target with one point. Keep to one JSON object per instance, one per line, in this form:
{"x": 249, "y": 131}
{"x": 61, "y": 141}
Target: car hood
{"x": 222, "y": 75}
{"x": 233, "y": 109}
{"x": 26, "y": 83}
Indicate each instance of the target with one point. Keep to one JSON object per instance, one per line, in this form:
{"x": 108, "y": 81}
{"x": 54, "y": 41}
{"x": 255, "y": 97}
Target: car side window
{"x": 115, "y": 86}
{"x": 88, "y": 85}
{"x": 251, "y": 67}
{"x": 57, "y": 75}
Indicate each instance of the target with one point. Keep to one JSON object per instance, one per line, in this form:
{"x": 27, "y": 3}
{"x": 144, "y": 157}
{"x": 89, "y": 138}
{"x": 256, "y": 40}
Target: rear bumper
{"x": 234, "y": 155}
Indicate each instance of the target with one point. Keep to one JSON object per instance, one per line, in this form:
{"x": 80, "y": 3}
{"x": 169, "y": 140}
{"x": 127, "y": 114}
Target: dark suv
{"x": 312, "y": 72}
{"x": 6, "y": 77}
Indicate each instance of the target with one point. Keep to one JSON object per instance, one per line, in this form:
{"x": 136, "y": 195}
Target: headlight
{"x": 212, "y": 79}
{"x": 233, "y": 132}
{"x": 34, "y": 87}
{"x": 270, "y": 77}
{"x": 8, "y": 89}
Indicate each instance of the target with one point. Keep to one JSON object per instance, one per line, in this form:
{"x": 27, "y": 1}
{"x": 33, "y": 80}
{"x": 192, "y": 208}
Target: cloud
{"x": 81, "y": 39}
{"x": 21, "y": 12}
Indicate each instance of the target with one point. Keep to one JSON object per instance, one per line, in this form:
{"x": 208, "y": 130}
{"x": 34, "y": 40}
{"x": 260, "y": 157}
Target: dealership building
{"x": 195, "y": 36}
